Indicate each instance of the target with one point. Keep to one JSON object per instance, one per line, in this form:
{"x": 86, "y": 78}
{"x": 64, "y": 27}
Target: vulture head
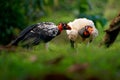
{"x": 85, "y": 31}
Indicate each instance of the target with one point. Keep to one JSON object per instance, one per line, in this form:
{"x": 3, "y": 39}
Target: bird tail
{"x": 22, "y": 35}
{"x": 14, "y": 42}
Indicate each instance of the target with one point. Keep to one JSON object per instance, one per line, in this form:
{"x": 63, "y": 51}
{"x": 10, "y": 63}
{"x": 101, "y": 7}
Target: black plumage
{"x": 40, "y": 32}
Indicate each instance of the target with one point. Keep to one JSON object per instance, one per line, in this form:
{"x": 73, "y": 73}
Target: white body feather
{"x": 78, "y": 24}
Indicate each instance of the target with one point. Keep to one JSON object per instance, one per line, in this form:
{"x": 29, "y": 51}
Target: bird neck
{"x": 60, "y": 28}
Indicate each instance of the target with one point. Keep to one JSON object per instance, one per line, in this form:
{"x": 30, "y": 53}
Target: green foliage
{"x": 82, "y": 6}
{"x": 33, "y": 9}
{"x": 11, "y": 18}
{"x": 57, "y": 17}
{"x": 95, "y": 18}
{"x": 112, "y": 9}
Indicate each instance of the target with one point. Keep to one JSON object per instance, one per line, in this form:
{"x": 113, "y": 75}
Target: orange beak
{"x": 90, "y": 29}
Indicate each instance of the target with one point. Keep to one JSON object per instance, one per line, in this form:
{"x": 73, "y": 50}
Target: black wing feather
{"x": 23, "y": 33}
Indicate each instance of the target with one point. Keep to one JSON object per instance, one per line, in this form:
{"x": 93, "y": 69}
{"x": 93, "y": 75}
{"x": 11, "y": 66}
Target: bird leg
{"x": 72, "y": 43}
{"x": 46, "y": 45}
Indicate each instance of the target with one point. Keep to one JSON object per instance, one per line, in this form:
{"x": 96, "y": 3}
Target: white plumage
{"x": 76, "y": 26}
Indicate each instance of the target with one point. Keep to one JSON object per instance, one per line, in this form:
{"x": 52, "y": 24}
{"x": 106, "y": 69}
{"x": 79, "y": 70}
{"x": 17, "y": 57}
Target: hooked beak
{"x": 68, "y": 27}
{"x": 89, "y": 29}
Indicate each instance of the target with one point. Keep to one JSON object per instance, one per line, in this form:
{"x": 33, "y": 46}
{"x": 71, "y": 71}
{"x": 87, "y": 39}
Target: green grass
{"x": 103, "y": 63}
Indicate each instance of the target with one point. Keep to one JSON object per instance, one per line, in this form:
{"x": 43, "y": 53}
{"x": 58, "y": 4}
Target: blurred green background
{"x": 88, "y": 62}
